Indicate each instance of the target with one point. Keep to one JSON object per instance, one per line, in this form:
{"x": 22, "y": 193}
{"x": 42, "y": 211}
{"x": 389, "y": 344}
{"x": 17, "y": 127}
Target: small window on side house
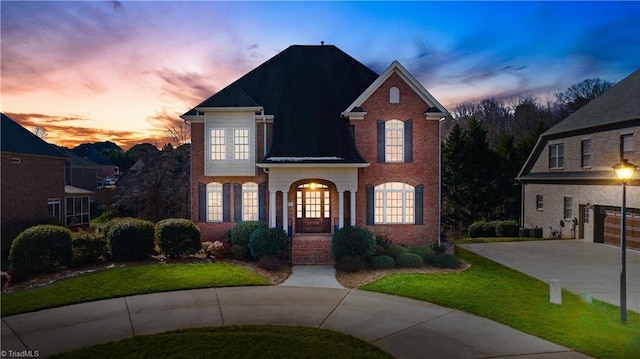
{"x": 586, "y": 153}
{"x": 539, "y": 202}
{"x": 556, "y": 156}
{"x": 16, "y": 160}
{"x": 394, "y": 95}
{"x": 568, "y": 207}
{"x": 626, "y": 145}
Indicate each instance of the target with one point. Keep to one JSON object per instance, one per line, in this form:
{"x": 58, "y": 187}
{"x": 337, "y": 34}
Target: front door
{"x": 313, "y": 208}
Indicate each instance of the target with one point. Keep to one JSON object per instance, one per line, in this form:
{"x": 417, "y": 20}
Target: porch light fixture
{"x": 624, "y": 171}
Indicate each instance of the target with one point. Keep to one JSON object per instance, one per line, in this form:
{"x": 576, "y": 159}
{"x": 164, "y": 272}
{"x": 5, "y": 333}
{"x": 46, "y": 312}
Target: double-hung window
{"x": 54, "y": 208}
{"x": 218, "y": 144}
{"x": 214, "y": 202}
{"x": 568, "y": 207}
{"x": 556, "y": 156}
{"x": 249, "y": 201}
{"x": 394, "y": 141}
{"x": 241, "y": 144}
{"x": 539, "y": 202}
{"x": 626, "y": 145}
{"x": 394, "y": 203}
{"x": 586, "y": 153}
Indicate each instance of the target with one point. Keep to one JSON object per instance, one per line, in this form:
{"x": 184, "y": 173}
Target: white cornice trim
{"x": 319, "y": 165}
{"x": 227, "y": 109}
{"x": 396, "y": 67}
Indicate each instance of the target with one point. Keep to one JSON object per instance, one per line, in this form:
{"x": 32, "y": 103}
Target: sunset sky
{"x": 89, "y": 71}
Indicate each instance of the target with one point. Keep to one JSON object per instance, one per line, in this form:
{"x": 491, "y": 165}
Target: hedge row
{"x": 507, "y": 228}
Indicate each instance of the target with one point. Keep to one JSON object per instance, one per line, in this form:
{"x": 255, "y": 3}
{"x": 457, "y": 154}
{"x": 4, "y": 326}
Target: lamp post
{"x": 624, "y": 171}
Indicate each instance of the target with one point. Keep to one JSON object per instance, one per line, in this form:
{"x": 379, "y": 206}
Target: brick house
{"x": 311, "y": 141}
{"x": 568, "y": 183}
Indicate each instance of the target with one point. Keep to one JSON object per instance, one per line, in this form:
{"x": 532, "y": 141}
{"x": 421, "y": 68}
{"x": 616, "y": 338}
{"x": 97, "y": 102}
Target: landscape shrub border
{"x": 492, "y": 229}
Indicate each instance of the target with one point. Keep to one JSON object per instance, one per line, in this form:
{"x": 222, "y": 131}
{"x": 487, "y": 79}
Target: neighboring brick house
{"x": 311, "y": 141}
{"x": 568, "y": 181}
{"x": 32, "y": 180}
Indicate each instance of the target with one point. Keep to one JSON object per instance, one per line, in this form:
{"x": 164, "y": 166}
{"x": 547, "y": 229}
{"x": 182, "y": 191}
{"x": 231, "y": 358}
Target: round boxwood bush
{"x": 39, "y": 250}
{"x": 395, "y": 250}
{"x": 507, "y": 228}
{"x": 446, "y": 261}
{"x": 241, "y": 232}
{"x": 424, "y": 252}
{"x": 382, "y": 262}
{"x": 131, "y": 239}
{"x": 268, "y": 242}
{"x": 409, "y": 260}
{"x": 178, "y": 237}
{"x": 352, "y": 241}
{"x": 87, "y": 248}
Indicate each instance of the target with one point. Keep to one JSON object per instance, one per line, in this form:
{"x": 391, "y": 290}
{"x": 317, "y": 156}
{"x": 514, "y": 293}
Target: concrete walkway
{"x": 584, "y": 268}
{"x": 403, "y": 327}
{"x": 313, "y": 276}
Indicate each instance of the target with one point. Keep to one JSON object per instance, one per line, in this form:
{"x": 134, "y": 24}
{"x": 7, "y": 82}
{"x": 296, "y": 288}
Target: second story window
{"x": 626, "y": 145}
{"x": 556, "y": 156}
{"x": 218, "y": 145}
{"x": 394, "y": 141}
{"x": 586, "y": 153}
{"x": 241, "y": 144}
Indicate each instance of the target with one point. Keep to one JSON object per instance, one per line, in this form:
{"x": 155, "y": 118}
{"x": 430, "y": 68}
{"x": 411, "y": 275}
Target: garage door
{"x": 612, "y": 223}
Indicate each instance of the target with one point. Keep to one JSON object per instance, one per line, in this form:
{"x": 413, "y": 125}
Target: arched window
{"x": 249, "y": 201}
{"x": 394, "y": 203}
{"x": 214, "y": 202}
{"x": 394, "y": 95}
{"x": 394, "y": 141}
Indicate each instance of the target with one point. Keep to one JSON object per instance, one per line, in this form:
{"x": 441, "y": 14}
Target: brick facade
{"x": 423, "y": 170}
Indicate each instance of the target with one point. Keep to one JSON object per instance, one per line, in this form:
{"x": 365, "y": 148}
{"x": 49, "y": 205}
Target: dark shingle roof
{"x": 620, "y": 103}
{"x": 17, "y": 139}
{"x": 306, "y": 88}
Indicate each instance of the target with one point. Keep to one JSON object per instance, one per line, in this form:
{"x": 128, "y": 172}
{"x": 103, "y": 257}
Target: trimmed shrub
{"x": 489, "y": 229}
{"x": 475, "y": 229}
{"x": 438, "y": 249}
{"x": 378, "y": 250}
{"x": 241, "y": 232}
{"x": 352, "y": 241}
{"x": 383, "y": 242}
{"x": 238, "y": 252}
{"x": 508, "y": 228}
{"x": 130, "y": 239}
{"x": 39, "y": 250}
{"x": 270, "y": 263}
{"x": 87, "y": 248}
{"x": 446, "y": 261}
{"x": 177, "y": 237}
{"x": 350, "y": 263}
{"x": 268, "y": 242}
{"x": 382, "y": 262}
{"x": 395, "y": 250}
{"x": 409, "y": 260}
{"x": 424, "y": 252}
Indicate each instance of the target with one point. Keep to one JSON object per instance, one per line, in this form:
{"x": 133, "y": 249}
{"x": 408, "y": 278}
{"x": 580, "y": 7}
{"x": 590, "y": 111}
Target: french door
{"x": 313, "y": 208}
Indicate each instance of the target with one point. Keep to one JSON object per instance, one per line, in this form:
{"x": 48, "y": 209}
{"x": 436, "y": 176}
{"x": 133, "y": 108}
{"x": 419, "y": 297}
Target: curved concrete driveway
{"x": 403, "y": 327}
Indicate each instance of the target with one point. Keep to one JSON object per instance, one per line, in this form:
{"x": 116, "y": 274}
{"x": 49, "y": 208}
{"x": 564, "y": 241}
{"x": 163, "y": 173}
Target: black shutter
{"x": 226, "y": 202}
{"x": 237, "y": 202}
{"x": 370, "y": 205}
{"x": 408, "y": 141}
{"x": 202, "y": 202}
{"x": 380, "y": 142}
{"x": 419, "y": 205}
{"x": 262, "y": 202}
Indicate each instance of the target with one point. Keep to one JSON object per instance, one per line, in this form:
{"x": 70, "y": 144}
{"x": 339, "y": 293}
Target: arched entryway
{"x": 313, "y": 208}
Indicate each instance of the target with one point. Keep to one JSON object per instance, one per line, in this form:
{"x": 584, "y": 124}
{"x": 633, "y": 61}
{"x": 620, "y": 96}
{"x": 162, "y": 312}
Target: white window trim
{"x": 408, "y": 213}
{"x": 250, "y": 213}
{"x": 246, "y": 155}
{"x": 215, "y": 147}
{"x": 393, "y": 126}
{"x": 214, "y": 211}
{"x": 557, "y": 157}
{"x": 54, "y": 202}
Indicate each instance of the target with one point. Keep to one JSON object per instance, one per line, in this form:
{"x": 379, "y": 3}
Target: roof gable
{"x": 434, "y": 106}
{"x": 620, "y": 103}
{"x": 305, "y": 88}
{"x": 17, "y": 139}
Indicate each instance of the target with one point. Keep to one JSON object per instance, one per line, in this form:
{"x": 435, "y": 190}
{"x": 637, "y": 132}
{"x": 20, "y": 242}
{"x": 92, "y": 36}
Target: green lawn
{"x": 236, "y": 342}
{"x": 491, "y": 290}
{"x": 121, "y": 282}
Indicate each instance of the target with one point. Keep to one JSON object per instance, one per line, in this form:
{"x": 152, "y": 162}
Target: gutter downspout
{"x": 264, "y": 133}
